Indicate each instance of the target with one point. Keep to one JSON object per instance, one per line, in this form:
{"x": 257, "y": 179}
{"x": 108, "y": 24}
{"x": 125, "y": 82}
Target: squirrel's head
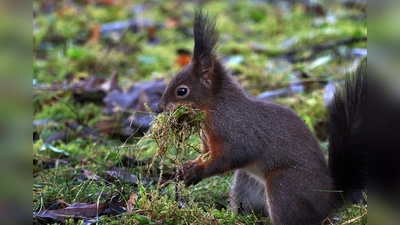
{"x": 196, "y": 83}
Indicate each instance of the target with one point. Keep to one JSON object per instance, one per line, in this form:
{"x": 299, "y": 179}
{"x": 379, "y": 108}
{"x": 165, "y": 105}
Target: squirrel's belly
{"x": 255, "y": 172}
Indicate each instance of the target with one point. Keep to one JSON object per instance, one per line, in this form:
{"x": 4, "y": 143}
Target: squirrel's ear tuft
{"x": 205, "y": 39}
{"x": 205, "y": 36}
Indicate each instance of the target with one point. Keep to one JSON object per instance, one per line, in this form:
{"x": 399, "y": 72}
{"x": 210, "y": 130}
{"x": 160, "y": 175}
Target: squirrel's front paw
{"x": 182, "y": 170}
{"x": 191, "y": 176}
{"x": 188, "y": 173}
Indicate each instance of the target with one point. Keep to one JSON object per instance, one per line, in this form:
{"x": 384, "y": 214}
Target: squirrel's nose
{"x": 160, "y": 107}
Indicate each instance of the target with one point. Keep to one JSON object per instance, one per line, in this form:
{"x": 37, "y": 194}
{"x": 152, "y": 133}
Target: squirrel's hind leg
{"x": 295, "y": 196}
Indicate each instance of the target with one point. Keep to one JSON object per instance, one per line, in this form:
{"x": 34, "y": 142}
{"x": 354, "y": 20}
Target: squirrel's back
{"x": 264, "y": 130}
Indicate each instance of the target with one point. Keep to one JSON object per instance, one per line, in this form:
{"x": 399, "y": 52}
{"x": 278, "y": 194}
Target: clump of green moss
{"x": 173, "y": 129}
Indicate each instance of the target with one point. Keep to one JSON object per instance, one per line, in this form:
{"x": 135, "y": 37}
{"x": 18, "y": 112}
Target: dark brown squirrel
{"x": 280, "y": 168}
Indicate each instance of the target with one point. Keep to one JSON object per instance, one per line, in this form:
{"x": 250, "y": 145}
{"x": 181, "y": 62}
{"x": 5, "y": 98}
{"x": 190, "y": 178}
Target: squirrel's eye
{"x": 182, "y": 91}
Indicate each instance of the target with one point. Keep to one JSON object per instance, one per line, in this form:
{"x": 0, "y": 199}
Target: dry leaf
{"x": 130, "y": 205}
{"x": 95, "y": 34}
{"x": 77, "y": 210}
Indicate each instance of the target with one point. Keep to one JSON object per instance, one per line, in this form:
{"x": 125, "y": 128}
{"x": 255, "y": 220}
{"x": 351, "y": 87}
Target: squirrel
{"x": 280, "y": 170}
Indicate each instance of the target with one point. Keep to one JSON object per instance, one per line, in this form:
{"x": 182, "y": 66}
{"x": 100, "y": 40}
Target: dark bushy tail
{"x": 348, "y": 135}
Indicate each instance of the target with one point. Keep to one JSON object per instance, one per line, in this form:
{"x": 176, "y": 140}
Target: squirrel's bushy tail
{"x": 348, "y": 134}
